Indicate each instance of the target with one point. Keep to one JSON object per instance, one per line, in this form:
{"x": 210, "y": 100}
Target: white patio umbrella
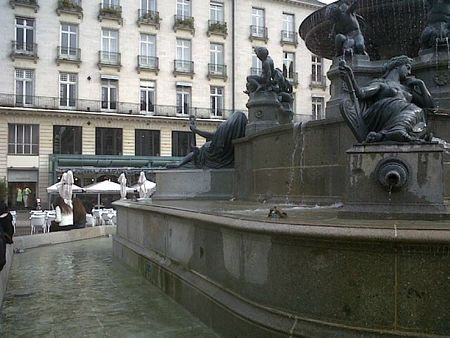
{"x": 123, "y": 185}
{"x": 104, "y": 187}
{"x": 55, "y": 188}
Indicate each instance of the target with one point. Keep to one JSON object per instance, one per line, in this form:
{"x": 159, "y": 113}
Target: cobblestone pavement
{"x": 77, "y": 290}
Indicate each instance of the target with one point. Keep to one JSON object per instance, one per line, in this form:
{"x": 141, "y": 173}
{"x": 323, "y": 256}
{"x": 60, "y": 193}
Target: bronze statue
{"x": 346, "y": 28}
{"x": 390, "y": 108}
{"x": 437, "y": 30}
{"x": 256, "y": 83}
{"x": 218, "y": 151}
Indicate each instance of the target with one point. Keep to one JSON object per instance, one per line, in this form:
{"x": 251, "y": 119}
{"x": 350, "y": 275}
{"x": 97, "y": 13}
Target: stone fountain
{"x": 362, "y": 243}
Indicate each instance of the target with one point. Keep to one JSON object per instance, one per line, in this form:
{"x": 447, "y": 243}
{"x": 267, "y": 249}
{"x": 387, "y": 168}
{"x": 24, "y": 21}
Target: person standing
{"x": 6, "y": 223}
{"x": 26, "y": 194}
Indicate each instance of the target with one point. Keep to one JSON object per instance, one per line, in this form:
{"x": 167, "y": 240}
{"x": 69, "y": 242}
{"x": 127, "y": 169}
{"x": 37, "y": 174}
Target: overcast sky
{"x": 327, "y": 1}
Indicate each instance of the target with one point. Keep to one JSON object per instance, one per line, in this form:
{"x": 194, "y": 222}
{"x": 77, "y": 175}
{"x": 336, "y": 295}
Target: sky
{"x": 327, "y": 1}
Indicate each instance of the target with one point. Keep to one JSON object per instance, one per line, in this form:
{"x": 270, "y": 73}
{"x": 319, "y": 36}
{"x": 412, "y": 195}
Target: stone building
{"x": 107, "y": 86}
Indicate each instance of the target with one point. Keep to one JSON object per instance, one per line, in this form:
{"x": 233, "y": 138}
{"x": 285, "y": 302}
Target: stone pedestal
{"x": 401, "y": 181}
{"x": 263, "y": 108}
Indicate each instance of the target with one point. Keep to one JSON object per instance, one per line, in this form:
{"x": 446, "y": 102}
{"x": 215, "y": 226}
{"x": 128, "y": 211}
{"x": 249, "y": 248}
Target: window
{"x": 24, "y": 86}
{"x": 288, "y": 33}
{"x": 183, "y": 8}
{"x": 216, "y": 58}
{"x": 110, "y": 46}
{"x": 24, "y": 35}
{"x": 67, "y": 90}
{"x": 66, "y": 140}
{"x": 110, "y": 3}
{"x": 181, "y": 143}
{"x": 288, "y": 65}
{"x": 147, "y": 49}
{"x": 23, "y": 139}
{"x": 147, "y": 96}
{"x": 147, "y": 142}
{"x": 216, "y": 94}
{"x": 258, "y": 22}
{"x": 183, "y": 63}
{"x": 316, "y": 72}
{"x": 256, "y": 64}
{"x": 148, "y": 5}
{"x": 109, "y": 94}
{"x": 183, "y": 100}
{"x": 318, "y": 111}
{"x": 216, "y": 12}
{"x": 69, "y": 40}
{"x": 108, "y": 141}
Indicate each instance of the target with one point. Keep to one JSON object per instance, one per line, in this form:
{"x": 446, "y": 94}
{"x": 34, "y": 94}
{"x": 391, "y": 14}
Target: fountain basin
{"x": 309, "y": 275}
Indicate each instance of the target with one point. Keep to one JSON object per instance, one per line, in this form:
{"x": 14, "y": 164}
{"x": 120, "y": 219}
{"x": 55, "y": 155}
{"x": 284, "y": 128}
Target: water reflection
{"x": 77, "y": 290}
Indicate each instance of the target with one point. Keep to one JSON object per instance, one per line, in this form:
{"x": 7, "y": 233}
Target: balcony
{"x": 255, "y": 71}
{"x": 259, "y": 33}
{"x": 72, "y": 7}
{"x": 150, "y": 18}
{"x": 182, "y": 22}
{"x": 109, "y": 59}
{"x": 25, "y": 3}
{"x": 21, "y": 50}
{"x": 68, "y": 55}
{"x": 114, "y": 107}
{"x": 111, "y": 12}
{"x": 148, "y": 63}
{"x": 183, "y": 67}
{"x": 318, "y": 82}
{"x": 217, "y": 71}
{"x": 217, "y": 28}
{"x": 289, "y": 38}
{"x": 292, "y": 78}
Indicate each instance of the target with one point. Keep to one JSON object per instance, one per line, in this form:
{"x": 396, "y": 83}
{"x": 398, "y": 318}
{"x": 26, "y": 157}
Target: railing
{"x": 70, "y": 5}
{"x": 183, "y": 66}
{"x": 114, "y": 11}
{"x": 148, "y": 17}
{"x": 24, "y": 49}
{"x": 255, "y": 71}
{"x": 258, "y": 32}
{"x": 148, "y": 62}
{"x": 217, "y": 27}
{"x": 30, "y": 3}
{"x": 318, "y": 81}
{"x": 289, "y": 37}
{"x": 217, "y": 70}
{"x": 109, "y": 58}
{"x": 292, "y": 78}
{"x": 183, "y": 22}
{"x": 69, "y": 53}
{"x": 117, "y": 107}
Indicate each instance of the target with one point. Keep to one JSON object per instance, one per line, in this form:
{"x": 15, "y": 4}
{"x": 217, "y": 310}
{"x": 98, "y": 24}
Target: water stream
{"x": 77, "y": 290}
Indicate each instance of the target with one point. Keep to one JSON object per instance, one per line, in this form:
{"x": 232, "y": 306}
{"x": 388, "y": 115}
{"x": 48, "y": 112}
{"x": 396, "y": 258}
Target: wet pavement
{"x": 77, "y": 290}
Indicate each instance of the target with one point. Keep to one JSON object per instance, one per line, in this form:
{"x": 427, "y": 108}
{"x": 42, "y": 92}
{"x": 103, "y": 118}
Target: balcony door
{"x": 216, "y": 58}
{"x": 183, "y": 100}
{"x": 24, "y": 35}
{"x": 148, "y": 5}
{"x": 183, "y": 55}
{"x": 258, "y": 22}
{"x": 110, "y": 46}
{"x": 109, "y": 95}
{"x": 183, "y": 8}
{"x": 69, "y": 43}
{"x": 148, "y": 50}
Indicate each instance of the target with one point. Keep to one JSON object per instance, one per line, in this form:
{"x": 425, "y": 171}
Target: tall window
{"x": 147, "y": 96}
{"x": 109, "y": 94}
{"x": 147, "y": 142}
{"x": 181, "y": 143}
{"x": 183, "y": 100}
{"x": 108, "y": 141}
{"x": 110, "y": 46}
{"x": 216, "y": 94}
{"x": 24, "y": 35}
{"x": 69, "y": 40}
{"x": 24, "y": 86}
{"x": 147, "y": 48}
{"x": 110, "y": 3}
{"x": 256, "y": 64}
{"x": 318, "y": 105}
{"x": 316, "y": 71}
{"x": 288, "y": 65}
{"x": 183, "y": 55}
{"x": 148, "y": 5}
{"x": 258, "y": 22}
{"x": 67, "y": 90}
{"x": 216, "y": 58}
{"x": 216, "y": 12}
{"x": 66, "y": 140}
{"x": 183, "y": 8}
{"x": 23, "y": 139}
{"x": 288, "y": 27}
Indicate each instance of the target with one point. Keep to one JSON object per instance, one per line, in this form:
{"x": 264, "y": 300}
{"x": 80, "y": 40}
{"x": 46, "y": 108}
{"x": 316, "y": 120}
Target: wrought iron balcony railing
{"x": 70, "y": 7}
{"x": 318, "y": 82}
{"x": 255, "y": 71}
{"x": 148, "y": 63}
{"x": 68, "y": 54}
{"x": 113, "y": 12}
{"x": 148, "y": 17}
{"x": 292, "y": 78}
{"x": 25, "y": 3}
{"x": 217, "y": 71}
{"x": 24, "y": 50}
{"x": 184, "y": 22}
{"x": 116, "y": 107}
{"x": 289, "y": 38}
{"x": 183, "y": 67}
{"x": 109, "y": 59}
{"x": 217, "y": 28}
{"x": 258, "y": 33}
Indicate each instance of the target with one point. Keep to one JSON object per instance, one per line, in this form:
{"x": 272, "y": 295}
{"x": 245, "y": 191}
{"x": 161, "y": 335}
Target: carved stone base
{"x": 263, "y": 110}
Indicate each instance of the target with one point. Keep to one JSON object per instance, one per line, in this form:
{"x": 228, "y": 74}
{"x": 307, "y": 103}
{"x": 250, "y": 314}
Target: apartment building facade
{"x": 106, "y": 86}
